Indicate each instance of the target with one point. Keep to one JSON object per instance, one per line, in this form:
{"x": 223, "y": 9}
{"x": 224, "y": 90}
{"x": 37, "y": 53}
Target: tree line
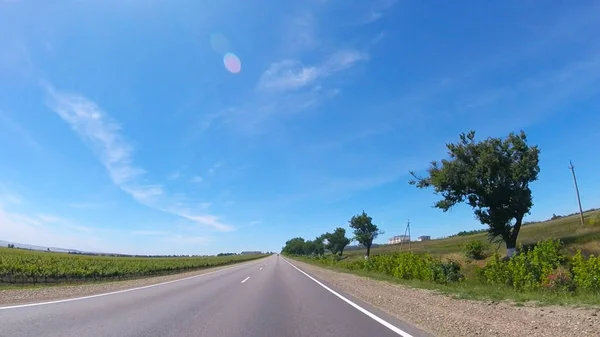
{"x": 492, "y": 176}
{"x": 364, "y": 230}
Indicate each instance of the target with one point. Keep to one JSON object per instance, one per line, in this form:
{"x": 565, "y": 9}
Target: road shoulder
{"x": 442, "y": 315}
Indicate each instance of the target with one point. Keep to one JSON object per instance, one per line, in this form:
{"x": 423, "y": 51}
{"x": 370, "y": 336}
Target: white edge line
{"x": 113, "y": 292}
{"x": 246, "y": 279}
{"x": 356, "y": 306}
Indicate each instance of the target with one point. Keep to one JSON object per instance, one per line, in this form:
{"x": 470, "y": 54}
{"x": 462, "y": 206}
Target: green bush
{"x": 475, "y": 250}
{"x": 526, "y": 270}
{"x": 411, "y": 266}
{"x": 445, "y": 272}
{"x": 559, "y": 281}
{"x": 586, "y": 273}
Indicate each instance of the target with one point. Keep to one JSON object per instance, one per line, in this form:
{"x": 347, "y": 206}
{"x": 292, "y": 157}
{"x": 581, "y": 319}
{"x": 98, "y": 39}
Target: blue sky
{"x": 122, "y": 129}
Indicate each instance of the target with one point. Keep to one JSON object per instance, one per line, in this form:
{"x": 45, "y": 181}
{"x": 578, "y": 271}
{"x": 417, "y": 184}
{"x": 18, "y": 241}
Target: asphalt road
{"x": 263, "y": 298}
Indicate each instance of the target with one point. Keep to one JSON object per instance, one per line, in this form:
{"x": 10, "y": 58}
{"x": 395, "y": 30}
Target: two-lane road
{"x": 263, "y": 298}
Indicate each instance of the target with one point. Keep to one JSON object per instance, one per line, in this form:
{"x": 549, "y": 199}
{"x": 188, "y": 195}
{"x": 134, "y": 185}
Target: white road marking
{"x": 114, "y": 292}
{"x": 260, "y": 268}
{"x": 246, "y": 279}
{"x": 356, "y": 306}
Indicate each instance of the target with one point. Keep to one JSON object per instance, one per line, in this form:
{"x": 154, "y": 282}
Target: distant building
{"x": 424, "y": 238}
{"x": 398, "y": 239}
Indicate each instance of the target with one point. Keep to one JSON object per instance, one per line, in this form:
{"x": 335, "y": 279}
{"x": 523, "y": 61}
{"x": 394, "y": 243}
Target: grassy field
{"x": 567, "y": 229}
{"x": 24, "y": 267}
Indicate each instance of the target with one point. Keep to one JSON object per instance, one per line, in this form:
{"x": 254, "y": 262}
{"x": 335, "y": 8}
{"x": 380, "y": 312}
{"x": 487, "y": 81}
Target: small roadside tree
{"x": 337, "y": 241}
{"x": 364, "y": 230}
{"x": 492, "y": 176}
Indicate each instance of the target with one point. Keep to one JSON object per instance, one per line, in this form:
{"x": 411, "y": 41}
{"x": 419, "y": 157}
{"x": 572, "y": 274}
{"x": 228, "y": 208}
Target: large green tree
{"x": 492, "y": 176}
{"x": 310, "y": 248}
{"x": 337, "y": 241}
{"x": 295, "y": 246}
{"x": 365, "y": 231}
{"x": 319, "y": 245}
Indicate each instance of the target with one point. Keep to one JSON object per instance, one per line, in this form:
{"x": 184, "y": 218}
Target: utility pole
{"x": 409, "y": 240}
{"x": 572, "y": 168}
{"x": 406, "y": 230}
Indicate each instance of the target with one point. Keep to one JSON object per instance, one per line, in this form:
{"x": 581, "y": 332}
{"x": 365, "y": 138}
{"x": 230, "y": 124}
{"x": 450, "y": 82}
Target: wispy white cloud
{"x": 187, "y": 239}
{"x": 49, "y": 218}
{"x": 372, "y": 17}
{"x": 215, "y": 167}
{"x": 291, "y": 74}
{"x": 537, "y": 96}
{"x": 336, "y": 143}
{"x": 342, "y": 60}
{"x": 196, "y": 179}
{"x": 373, "y": 11}
{"x": 85, "y": 205}
{"x": 26, "y": 219}
{"x": 287, "y": 75}
{"x": 288, "y": 87}
{"x": 174, "y": 175}
{"x": 10, "y": 198}
{"x": 57, "y": 231}
{"x": 103, "y": 135}
{"x": 48, "y": 231}
{"x": 149, "y": 232}
{"x": 24, "y": 135}
{"x": 205, "y": 219}
{"x": 300, "y": 32}
{"x": 291, "y": 84}
{"x": 100, "y": 132}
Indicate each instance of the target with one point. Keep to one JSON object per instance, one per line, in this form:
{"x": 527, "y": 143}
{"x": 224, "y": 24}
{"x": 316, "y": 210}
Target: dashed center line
{"x": 246, "y": 279}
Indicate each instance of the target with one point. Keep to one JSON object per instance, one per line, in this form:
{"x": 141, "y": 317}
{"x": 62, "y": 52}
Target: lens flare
{"x": 232, "y": 63}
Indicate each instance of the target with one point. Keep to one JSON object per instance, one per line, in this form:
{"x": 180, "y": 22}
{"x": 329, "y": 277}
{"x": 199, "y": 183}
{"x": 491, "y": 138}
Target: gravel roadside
{"x": 442, "y": 315}
{"x": 51, "y": 293}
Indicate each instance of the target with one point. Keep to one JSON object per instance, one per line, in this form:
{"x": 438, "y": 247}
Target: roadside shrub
{"x": 411, "y": 266}
{"x": 475, "y": 250}
{"x": 496, "y": 271}
{"x": 445, "y": 272}
{"x": 586, "y": 273}
{"x": 527, "y": 270}
{"x": 559, "y": 281}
